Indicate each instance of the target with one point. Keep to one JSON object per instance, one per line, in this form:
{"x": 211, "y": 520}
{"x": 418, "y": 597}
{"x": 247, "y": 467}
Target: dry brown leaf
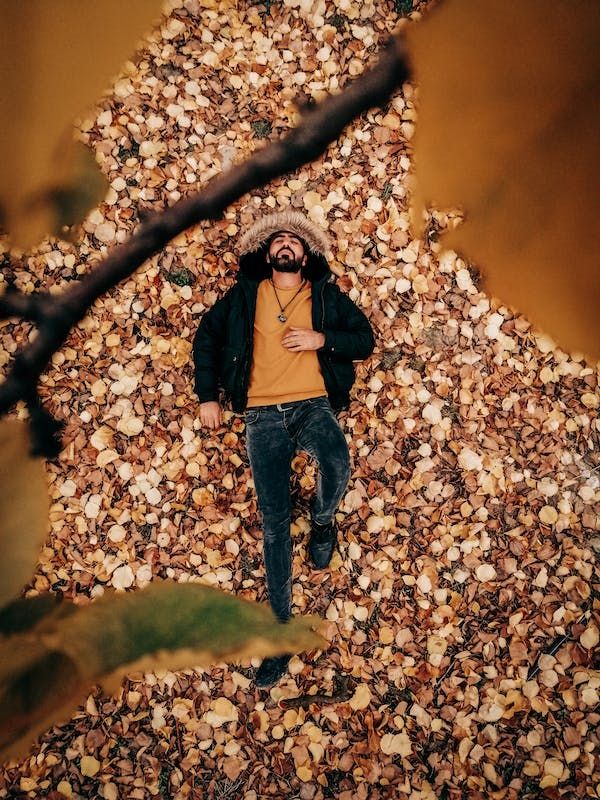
{"x": 508, "y": 126}
{"x": 62, "y": 68}
{"x": 24, "y": 508}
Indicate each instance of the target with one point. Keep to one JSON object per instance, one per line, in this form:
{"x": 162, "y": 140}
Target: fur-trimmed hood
{"x": 294, "y": 222}
{"x": 253, "y": 242}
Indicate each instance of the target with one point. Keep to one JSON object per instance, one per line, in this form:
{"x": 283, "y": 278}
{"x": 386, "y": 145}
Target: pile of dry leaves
{"x": 461, "y": 608}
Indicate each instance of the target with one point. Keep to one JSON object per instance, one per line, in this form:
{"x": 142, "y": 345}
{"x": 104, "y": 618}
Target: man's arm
{"x": 206, "y": 349}
{"x": 355, "y": 340}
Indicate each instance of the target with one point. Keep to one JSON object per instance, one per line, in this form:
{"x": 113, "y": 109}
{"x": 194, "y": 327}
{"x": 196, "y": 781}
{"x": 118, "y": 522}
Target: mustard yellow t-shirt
{"x": 279, "y": 375}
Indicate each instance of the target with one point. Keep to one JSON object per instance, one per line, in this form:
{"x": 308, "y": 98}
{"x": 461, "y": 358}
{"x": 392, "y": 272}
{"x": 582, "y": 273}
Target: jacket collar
{"x": 253, "y": 266}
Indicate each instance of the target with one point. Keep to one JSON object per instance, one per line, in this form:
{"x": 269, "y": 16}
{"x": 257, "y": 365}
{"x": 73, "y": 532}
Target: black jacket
{"x": 223, "y": 343}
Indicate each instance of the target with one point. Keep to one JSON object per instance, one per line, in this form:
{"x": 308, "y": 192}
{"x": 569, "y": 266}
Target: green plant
{"x": 51, "y": 652}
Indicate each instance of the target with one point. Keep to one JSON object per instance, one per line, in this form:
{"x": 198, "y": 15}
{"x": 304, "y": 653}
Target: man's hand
{"x": 210, "y": 414}
{"x": 303, "y": 339}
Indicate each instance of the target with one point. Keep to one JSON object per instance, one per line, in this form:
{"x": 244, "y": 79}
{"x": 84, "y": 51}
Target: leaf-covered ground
{"x": 469, "y": 533}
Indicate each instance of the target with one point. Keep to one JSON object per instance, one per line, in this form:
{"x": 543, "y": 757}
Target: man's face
{"x": 286, "y": 252}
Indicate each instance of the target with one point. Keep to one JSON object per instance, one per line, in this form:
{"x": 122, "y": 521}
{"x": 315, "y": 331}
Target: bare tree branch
{"x": 320, "y": 125}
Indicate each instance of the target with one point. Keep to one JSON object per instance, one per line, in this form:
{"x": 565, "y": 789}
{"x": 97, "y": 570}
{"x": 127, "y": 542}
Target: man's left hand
{"x": 303, "y": 339}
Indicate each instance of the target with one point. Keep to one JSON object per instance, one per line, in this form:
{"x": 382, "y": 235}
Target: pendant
{"x": 282, "y": 318}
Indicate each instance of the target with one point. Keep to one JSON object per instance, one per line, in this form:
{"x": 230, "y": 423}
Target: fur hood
{"x": 252, "y": 244}
{"x": 294, "y": 222}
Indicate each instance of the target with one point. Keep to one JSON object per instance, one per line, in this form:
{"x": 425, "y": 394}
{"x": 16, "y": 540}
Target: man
{"x": 281, "y": 344}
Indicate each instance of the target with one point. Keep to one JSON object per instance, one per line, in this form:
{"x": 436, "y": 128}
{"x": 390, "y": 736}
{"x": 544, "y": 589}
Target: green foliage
{"x": 403, "y": 7}
{"x": 51, "y": 653}
{"x": 24, "y": 508}
{"x": 338, "y": 21}
{"x": 181, "y": 277}
{"x": 265, "y": 5}
{"x": 386, "y": 192}
{"x": 262, "y": 129}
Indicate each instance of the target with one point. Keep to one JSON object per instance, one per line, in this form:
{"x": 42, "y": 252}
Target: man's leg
{"x": 270, "y": 451}
{"x": 320, "y": 434}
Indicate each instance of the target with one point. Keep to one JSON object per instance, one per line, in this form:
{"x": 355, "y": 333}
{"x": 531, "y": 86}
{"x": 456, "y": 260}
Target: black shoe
{"x": 323, "y": 539}
{"x": 271, "y": 670}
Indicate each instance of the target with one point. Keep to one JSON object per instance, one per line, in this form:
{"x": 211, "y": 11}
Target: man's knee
{"x": 340, "y": 466}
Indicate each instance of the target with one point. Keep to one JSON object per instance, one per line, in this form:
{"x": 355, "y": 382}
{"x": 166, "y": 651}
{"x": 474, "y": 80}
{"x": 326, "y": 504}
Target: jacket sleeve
{"x": 207, "y": 348}
{"x": 353, "y": 340}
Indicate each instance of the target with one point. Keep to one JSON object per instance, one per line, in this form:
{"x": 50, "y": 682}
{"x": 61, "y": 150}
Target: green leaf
{"x": 47, "y": 670}
{"x": 24, "y": 508}
{"x": 21, "y": 615}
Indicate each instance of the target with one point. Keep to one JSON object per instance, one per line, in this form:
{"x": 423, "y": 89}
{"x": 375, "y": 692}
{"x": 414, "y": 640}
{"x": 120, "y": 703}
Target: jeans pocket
{"x": 251, "y": 416}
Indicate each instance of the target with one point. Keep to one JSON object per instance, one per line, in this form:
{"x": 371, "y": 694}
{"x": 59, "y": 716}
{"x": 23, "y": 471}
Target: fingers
{"x": 299, "y": 338}
{"x": 211, "y": 420}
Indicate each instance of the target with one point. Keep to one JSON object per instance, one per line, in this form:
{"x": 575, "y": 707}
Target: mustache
{"x": 284, "y": 254}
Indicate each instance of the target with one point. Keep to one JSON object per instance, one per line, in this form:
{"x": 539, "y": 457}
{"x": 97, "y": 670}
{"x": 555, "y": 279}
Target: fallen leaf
{"x": 361, "y": 698}
{"x": 24, "y": 508}
{"x": 529, "y": 191}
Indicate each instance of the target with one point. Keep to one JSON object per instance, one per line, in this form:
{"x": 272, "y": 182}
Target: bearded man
{"x": 281, "y": 345}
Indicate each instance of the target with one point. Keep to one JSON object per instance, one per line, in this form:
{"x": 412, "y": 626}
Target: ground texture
{"x": 461, "y": 609}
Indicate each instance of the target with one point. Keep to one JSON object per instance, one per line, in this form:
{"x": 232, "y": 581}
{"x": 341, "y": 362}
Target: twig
{"x": 320, "y": 125}
{"x": 178, "y": 737}
{"x": 555, "y": 646}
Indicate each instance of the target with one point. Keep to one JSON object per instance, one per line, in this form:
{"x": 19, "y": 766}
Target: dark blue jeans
{"x": 273, "y": 434}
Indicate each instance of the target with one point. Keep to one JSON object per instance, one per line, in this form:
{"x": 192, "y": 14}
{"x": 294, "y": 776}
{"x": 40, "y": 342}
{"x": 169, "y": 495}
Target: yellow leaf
{"x": 485, "y": 572}
{"x": 590, "y": 636}
{"x": 89, "y": 766}
{"x": 396, "y": 744}
{"x": 548, "y": 515}
{"x": 361, "y": 697}
{"x": 56, "y": 59}
{"x": 52, "y": 659}
{"x": 590, "y": 400}
{"x": 225, "y": 709}
{"x": 24, "y": 508}
{"x": 304, "y": 773}
{"x": 508, "y": 125}
{"x": 436, "y": 645}
{"x": 386, "y": 635}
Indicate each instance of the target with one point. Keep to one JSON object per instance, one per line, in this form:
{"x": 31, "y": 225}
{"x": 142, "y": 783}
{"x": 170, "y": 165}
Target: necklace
{"x": 282, "y": 317}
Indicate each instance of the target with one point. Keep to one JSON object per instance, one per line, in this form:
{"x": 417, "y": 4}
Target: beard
{"x": 285, "y": 261}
